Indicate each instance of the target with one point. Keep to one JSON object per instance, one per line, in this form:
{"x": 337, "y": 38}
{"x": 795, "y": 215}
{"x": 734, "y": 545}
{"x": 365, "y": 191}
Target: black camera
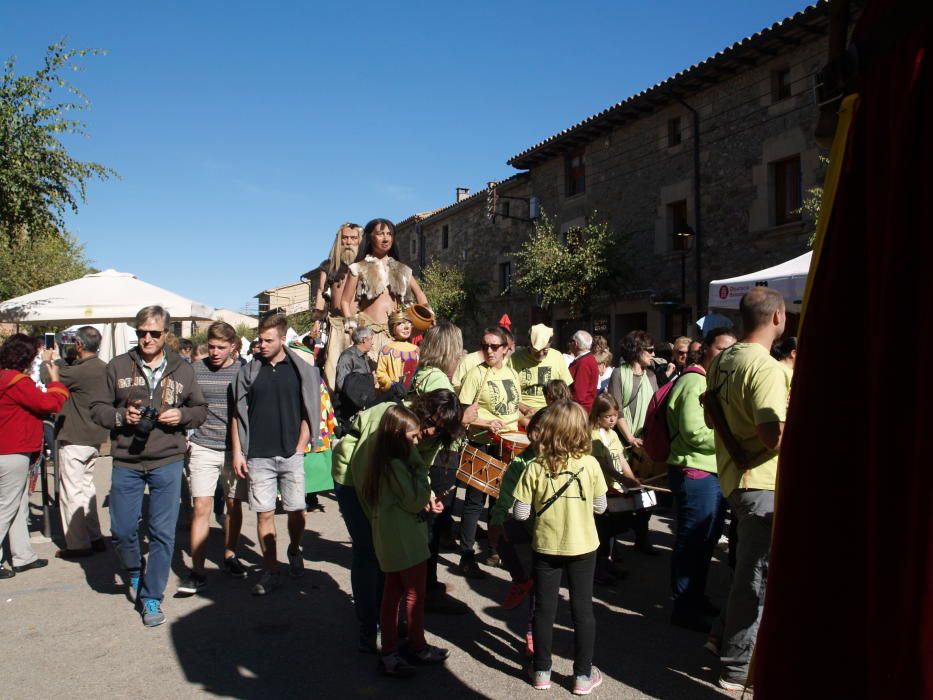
{"x": 148, "y": 417}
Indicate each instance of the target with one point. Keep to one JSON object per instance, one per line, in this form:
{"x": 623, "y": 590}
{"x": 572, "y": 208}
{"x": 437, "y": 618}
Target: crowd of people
{"x": 584, "y": 444}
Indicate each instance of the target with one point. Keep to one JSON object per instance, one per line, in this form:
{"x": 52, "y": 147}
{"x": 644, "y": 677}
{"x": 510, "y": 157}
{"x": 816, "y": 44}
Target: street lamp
{"x": 685, "y": 234}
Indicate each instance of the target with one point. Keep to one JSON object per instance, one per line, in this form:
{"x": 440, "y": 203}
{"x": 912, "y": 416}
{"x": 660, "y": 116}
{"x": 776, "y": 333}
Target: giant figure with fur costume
{"x": 330, "y": 279}
{"x": 379, "y": 283}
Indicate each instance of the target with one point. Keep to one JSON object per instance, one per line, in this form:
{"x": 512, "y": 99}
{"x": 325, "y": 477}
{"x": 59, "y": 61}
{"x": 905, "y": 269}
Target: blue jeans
{"x": 700, "y": 511}
{"x": 126, "y": 504}
{"x": 366, "y": 578}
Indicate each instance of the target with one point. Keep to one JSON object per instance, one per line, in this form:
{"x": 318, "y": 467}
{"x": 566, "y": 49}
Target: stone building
{"x": 287, "y": 299}
{"x": 462, "y": 235}
{"x": 734, "y": 134}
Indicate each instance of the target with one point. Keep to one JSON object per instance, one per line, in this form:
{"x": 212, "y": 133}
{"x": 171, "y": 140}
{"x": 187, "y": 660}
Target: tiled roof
{"x": 469, "y": 200}
{"x": 764, "y": 45}
{"x": 415, "y": 218}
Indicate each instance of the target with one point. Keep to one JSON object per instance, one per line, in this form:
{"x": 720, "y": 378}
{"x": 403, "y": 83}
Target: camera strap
{"x": 129, "y": 395}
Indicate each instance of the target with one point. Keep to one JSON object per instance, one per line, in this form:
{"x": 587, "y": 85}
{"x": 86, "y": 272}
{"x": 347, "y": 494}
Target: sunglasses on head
{"x": 154, "y": 334}
{"x": 491, "y": 346}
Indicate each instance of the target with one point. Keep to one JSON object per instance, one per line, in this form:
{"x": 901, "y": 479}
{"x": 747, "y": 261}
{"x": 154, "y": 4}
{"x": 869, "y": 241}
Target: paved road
{"x": 67, "y": 629}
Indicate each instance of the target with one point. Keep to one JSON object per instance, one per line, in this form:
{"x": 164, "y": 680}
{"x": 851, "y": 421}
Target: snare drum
{"x": 630, "y": 501}
{"x": 511, "y": 445}
{"x": 480, "y": 470}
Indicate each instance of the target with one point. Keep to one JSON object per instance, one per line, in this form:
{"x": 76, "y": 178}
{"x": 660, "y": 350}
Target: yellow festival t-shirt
{"x": 608, "y": 451}
{"x": 496, "y": 393}
{"x": 567, "y": 528}
{"x": 752, "y": 391}
{"x": 534, "y": 375}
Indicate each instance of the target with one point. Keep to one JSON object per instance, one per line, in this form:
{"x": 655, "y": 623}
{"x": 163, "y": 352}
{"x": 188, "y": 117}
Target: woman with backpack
{"x": 698, "y": 503}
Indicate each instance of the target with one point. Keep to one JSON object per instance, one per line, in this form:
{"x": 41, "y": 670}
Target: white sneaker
{"x": 296, "y": 564}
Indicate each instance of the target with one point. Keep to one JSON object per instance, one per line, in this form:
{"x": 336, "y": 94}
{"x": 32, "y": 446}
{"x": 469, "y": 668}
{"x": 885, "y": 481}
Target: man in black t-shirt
{"x": 277, "y": 400}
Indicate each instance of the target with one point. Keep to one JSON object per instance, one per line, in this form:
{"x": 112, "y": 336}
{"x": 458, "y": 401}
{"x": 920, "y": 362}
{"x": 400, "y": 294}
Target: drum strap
{"x": 560, "y": 492}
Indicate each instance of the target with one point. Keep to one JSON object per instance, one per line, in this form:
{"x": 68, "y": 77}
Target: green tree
{"x": 39, "y": 180}
{"x": 566, "y": 269}
{"x": 812, "y": 201}
{"x": 43, "y": 259}
{"x": 451, "y": 292}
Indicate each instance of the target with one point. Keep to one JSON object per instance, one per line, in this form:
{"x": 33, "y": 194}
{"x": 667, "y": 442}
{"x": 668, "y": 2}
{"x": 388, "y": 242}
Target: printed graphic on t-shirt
{"x": 503, "y": 395}
{"x": 530, "y": 386}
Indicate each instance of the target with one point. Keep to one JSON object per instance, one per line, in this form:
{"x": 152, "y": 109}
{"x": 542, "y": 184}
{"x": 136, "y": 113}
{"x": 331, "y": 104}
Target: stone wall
{"x": 479, "y": 247}
{"x": 633, "y": 176}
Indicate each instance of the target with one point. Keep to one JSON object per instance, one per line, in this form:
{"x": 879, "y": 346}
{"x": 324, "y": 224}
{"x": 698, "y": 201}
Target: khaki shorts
{"x": 206, "y": 466}
{"x": 271, "y": 475}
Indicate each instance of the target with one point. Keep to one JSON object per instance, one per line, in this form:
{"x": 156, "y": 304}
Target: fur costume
{"x": 374, "y": 278}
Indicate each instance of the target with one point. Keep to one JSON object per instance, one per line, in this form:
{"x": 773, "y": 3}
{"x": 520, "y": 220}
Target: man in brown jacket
{"x": 149, "y": 400}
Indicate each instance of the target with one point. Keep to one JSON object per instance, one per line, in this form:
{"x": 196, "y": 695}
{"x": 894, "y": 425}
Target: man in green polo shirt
{"x": 752, "y": 389}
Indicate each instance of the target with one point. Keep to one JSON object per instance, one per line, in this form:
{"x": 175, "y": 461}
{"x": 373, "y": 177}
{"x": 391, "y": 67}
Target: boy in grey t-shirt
{"x": 210, "y": 460}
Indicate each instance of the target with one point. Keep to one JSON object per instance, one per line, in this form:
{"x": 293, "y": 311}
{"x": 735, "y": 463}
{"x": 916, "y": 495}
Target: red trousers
{"x": 411, "y": 583}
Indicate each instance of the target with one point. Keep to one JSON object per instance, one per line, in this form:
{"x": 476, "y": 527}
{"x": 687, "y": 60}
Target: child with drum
{"x": 608, "y": 450}
{"x": 565, "y": 486}
{"x": 394, "y": 493}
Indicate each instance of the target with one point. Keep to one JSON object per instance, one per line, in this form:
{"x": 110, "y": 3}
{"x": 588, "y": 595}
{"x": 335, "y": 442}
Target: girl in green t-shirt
{"x": 565, "y": 485}
{"x": 394, "y": 493}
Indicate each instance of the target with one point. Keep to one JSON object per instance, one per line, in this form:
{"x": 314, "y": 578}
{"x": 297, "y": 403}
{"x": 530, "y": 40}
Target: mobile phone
{"x": 49, "y": 341}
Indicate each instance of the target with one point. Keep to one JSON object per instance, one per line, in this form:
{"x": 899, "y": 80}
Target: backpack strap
{"x": 693, "y": 369}
{"x": 17, "y": 377}
{"x": 560, "y": 492}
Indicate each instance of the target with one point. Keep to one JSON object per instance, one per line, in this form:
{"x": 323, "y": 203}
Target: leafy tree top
{"x": 565, "y": 269}
{"x": 39, "y": 180}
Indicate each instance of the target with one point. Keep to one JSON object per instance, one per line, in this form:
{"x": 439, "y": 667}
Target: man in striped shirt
{"x": 210, "y": 459}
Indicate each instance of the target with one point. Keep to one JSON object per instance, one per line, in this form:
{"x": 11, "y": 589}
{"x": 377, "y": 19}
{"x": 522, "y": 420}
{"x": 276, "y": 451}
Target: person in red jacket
{"x": 584, "y": 371}
{"x": 22, "y": 406}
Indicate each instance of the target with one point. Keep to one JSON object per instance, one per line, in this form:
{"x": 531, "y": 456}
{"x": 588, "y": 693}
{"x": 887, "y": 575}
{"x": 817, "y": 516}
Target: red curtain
{"x": 849, "y": 605}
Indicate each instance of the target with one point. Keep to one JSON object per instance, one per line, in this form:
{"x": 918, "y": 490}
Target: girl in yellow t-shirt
{"x": 565, "y": 486}
{"x": 608, "y": 451}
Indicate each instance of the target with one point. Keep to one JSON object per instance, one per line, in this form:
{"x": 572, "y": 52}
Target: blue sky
{"x": 245, "y": 132}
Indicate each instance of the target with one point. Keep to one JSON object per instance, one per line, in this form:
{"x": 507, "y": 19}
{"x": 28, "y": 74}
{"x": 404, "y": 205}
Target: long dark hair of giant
{"x": 367, "y": 244}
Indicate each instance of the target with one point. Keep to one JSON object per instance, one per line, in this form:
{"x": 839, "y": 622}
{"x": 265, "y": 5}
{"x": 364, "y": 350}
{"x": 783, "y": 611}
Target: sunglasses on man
{"x": 154, "y": 334}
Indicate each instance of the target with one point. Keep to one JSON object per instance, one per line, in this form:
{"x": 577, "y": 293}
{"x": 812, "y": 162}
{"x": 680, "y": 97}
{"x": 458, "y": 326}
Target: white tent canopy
{"x": 789, "y": 278}
{"x": 107, "y": 296}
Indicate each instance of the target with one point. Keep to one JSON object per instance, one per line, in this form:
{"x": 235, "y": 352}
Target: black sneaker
{"x": 192, "y": 583}
{"x": 234, "y": 567}
{"x": 395, "y": 666}
{"x": 6, "y": 573}
{"x": 468, "y": 568}
{"x": 35, "y": 564}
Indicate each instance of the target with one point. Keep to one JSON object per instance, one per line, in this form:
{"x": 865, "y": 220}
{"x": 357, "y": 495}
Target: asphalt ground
{"x": 68, "y": 630}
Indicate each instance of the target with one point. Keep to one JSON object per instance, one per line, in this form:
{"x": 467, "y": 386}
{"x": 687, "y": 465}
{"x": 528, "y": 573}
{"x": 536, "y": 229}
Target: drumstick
{"x": 655, "y": 488}
{"x": 656, "y": 477}
{"x": 481, "y": 385}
